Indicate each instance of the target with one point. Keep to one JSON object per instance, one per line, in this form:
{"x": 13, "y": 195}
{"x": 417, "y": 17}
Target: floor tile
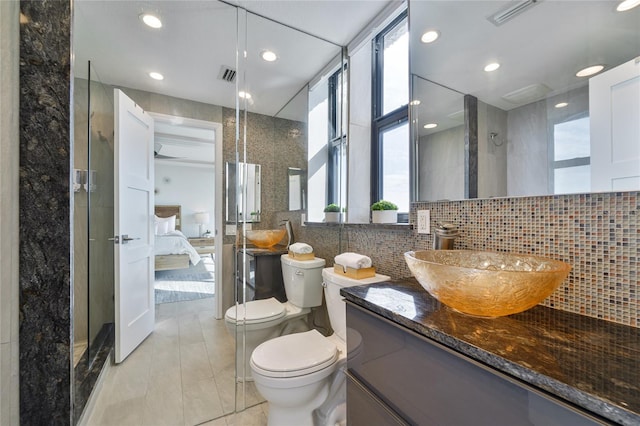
{"x": 201, "y": 402}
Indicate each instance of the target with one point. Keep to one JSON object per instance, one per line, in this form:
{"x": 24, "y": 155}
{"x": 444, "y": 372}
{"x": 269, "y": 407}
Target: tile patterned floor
{"x": 182, "y": 374}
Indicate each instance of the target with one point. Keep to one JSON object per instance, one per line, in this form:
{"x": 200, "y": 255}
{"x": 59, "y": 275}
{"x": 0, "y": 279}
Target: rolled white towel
{"x": 353, "y": 260}
{"x": 301, "y": 248}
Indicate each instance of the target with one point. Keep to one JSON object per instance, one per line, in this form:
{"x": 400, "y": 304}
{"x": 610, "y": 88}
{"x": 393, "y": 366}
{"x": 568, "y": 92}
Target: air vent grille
{"x": 227, "y": 74}
{"x": 511, "y": 12}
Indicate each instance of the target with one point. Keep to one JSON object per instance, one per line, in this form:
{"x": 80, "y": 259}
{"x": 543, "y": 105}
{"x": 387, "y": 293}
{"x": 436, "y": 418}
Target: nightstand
{"x": 203, "y": 245}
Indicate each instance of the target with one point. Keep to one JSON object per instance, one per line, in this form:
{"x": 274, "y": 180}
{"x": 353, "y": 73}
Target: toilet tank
{"x": 303, "y": 281}
{"x": 335, "y": 303}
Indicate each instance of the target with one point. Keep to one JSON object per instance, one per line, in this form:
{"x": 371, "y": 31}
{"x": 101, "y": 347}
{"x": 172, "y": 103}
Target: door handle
{"x": 125, "y": 239}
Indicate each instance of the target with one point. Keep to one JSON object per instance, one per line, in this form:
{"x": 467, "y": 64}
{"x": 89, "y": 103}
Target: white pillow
{"x": 165, "y": 224}
{"x": 161, "y": 227}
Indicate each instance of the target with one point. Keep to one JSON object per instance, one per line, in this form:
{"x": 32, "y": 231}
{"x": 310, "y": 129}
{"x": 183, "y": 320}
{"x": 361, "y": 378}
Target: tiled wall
{"x": 597, "y": 234}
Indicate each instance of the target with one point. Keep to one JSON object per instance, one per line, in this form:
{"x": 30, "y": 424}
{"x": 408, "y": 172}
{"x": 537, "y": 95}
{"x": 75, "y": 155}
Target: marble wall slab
{"x": 45, "y": 213}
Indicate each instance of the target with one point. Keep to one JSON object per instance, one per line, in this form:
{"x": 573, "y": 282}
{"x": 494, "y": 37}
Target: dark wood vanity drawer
{"x": 427, "y": 383}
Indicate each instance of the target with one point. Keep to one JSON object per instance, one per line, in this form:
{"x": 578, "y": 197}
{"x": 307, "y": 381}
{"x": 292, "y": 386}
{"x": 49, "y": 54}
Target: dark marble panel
{"x": 45, "y": 244}
{"x": 471, "y": 146}
{"x": 592, "y": 363}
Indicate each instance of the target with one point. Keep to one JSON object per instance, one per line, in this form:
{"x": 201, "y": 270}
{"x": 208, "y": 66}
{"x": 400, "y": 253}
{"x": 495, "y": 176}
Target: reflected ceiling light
{"x": 415, "y": 102}
{"x": 244, "y": 95}
{"x": 151, "y": 20}
{"x": 430, "y": 126}
{"x": 627, "y": 5}
{"x": 492, "y": 67}
{"x": 430, "y": 36}
{"x": 561, "y": 105}
{"x": 156, "y": 76}
{"x": 586, "y": 72}
{"x": 268, "y": 55}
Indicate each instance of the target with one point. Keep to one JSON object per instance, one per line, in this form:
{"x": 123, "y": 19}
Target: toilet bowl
{"x": 302, "y": 375}
{"x": 265, "y": 319}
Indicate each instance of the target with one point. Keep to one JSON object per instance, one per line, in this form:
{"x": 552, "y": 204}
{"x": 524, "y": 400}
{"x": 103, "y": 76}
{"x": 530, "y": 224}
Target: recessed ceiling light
{"x": 244, "y": 95}
{"x": 492, "y": 67}
{"x": 415, "y": 102}
{"x": 430, "y": 36}
{"x": 151, "y": 20}
{"x": 430, "y": 126}
{"x": 627, "y": 5}
{"x": 561, "y": 105}
{"x": 594, "y": 69}
{"x": 268, "y": 55}
{"x": 156, "y": 76}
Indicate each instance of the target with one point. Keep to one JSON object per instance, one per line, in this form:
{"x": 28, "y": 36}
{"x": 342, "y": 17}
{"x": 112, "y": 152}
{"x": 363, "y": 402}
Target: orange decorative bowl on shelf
{"x": 265, "y": 238}
{"x": 486, "y": 284}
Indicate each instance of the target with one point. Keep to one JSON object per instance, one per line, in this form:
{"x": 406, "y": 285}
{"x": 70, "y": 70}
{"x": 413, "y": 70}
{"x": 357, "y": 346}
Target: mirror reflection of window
{"x": 571, "y": 155}
{"x": 391, "y": 171}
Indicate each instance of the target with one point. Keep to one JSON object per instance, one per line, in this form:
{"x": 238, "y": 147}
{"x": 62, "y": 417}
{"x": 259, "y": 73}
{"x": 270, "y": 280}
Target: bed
{"x": 172, "y": 248}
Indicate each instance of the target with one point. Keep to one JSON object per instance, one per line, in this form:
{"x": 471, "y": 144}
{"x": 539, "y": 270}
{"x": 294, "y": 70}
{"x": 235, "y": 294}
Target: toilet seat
{"x": 294, "y": 355}
{"x": 256, "y": 312}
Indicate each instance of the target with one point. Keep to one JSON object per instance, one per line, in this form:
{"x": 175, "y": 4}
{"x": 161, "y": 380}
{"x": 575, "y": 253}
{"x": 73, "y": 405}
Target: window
{"x": 390, "y": 129}
{"x": 571, "y": 165}
{"x": 337, "y": 185}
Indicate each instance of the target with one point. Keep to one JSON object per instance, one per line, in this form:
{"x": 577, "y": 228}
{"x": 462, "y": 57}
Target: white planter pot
{"x": 332, "y": 217}
{"x": 384, "y": 216}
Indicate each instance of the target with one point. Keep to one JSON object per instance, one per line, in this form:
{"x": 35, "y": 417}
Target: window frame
{"x": 383, "y": 122}
{"x": 563, "y": 164}
{"x": 337, "y": 136}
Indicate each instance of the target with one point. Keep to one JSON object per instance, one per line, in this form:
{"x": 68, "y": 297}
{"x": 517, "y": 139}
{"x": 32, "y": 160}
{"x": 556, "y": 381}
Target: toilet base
{"x": 290, "y": 413}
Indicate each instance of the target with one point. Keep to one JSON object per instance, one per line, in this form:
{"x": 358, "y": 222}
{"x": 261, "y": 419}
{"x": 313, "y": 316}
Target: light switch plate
{"x": 230, "y": 230}
{"x": 424, "y": 225}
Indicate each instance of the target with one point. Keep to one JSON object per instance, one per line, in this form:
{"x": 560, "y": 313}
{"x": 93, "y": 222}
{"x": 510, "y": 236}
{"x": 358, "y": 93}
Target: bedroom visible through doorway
{"x": 188, "y": 187}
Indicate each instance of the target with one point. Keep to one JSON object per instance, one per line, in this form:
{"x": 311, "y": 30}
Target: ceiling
{"x": 544, "y": 45}
{"x": 199, "y": 37}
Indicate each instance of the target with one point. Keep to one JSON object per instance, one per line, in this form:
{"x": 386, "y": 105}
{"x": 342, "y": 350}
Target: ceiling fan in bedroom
{"x": 156, "y": 153}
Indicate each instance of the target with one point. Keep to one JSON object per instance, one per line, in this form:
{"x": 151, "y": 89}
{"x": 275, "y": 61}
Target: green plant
{"x": 332, "y": 208}
{"x": 384, "y": 205}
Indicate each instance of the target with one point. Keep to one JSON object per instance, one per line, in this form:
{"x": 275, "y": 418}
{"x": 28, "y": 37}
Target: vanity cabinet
{"x": 262, "y": 274}
{"x": 402, "y": 377}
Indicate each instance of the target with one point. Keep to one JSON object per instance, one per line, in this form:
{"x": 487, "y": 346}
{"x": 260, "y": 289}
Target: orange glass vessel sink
{"x": 486, "y": 284}
{"x": 265, "y": 238}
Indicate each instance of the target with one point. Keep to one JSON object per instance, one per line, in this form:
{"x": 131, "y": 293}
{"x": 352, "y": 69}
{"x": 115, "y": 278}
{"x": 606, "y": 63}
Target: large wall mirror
{"x": 532, "y": 125}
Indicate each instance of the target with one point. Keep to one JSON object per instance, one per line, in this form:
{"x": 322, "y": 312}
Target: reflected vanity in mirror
{"x": 247, "y": 178}
{"x": 533, "y": 125}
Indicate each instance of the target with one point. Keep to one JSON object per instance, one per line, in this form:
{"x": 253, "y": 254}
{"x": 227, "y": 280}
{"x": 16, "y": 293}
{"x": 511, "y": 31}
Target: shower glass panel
{"x": 99, "y": 189}
{"x": 272, "y": 131}
{"x": 93, "y": 308}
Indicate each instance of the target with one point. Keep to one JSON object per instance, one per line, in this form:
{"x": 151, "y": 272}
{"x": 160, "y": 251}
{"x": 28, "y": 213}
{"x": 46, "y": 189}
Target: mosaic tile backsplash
{"x": 597, "y": 234}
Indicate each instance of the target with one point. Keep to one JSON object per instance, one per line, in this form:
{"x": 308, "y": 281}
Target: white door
{"x": 133, "y": 223}
{"x": 614, "y": 109}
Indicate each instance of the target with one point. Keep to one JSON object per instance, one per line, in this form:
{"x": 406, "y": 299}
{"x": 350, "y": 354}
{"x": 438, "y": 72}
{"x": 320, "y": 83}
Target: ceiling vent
{"x": 512, "y": 11}
{"x": 227, "y": 74}
{"x": 527, "y": 94}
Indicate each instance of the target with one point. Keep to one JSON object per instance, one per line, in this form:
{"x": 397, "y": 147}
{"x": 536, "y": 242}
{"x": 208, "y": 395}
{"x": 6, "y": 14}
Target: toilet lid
{"x": 256, "y": 311}
{"x": 295, "y": 354}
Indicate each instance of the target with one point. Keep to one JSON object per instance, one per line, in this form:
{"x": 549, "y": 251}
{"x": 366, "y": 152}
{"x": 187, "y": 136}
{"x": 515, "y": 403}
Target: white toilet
{"x": 269, "y": 318}
{"x": 299, "y": 373}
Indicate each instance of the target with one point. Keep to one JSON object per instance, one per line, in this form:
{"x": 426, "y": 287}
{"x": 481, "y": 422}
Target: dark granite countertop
{"x": 591, "y": 363}
{"x": 271, "y": 251}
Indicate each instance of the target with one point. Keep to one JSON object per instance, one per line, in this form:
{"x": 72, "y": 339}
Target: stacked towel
{"x": 353, "y": 260}
{"x": 301, "y": 248}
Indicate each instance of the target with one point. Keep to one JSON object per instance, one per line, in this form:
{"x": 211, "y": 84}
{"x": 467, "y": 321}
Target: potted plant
{"x": 384, "y": 212}
{"x": 332, "y": 213}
